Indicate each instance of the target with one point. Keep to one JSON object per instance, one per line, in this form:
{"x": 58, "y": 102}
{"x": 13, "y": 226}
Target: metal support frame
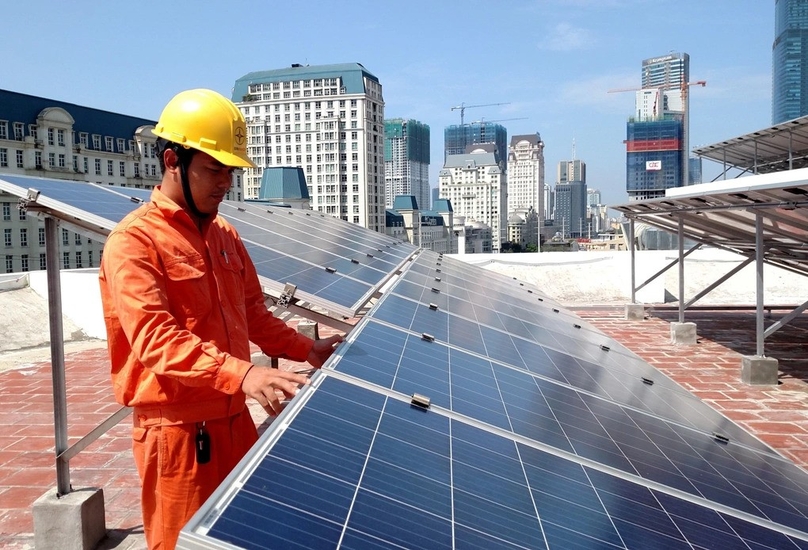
{"x": 57, "y": 355}
{"x": 759, "y": 326}
{"x": 681, "y": 234}
{"x": 633, "y": 262}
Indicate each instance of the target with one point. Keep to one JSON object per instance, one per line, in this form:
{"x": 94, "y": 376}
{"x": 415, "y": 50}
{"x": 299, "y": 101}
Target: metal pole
{"x": 633, "y": 261}
{"x": 759, "y": 330}
{"x": 57, "y": 354}
{"x": 681, "y": 271}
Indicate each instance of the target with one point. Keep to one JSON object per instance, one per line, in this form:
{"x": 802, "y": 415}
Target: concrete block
{"x": 308, "y": 328}
{"x": 759, "y": 371}
{"x": 260, "y": 359}
{"x": 74, "y": 521}
{"x": 635, "y": 312}
{"x": 683, "y": 333}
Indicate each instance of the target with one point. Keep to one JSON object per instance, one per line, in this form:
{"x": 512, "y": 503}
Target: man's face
{"x": 210, "y": 181}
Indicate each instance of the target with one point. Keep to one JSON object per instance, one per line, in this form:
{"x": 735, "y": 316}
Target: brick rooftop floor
{"x": 711, "y": 369}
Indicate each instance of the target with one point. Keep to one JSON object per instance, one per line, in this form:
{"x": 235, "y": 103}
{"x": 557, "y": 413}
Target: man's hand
{"x": 322, "y": 350}
{"x": 262, "y": 384}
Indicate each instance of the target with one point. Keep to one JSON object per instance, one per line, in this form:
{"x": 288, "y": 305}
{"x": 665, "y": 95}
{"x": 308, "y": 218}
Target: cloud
{"x": 565, "y": 38}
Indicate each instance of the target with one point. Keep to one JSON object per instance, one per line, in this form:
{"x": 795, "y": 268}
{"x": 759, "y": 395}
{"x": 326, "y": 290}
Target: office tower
{"x": 327, "y": 120}
{"x": 475, "y": 183}
{"x": 406, "y": 160}
{"x": 790, "y": 60}
{"x": 457, "y": 138}
{"x": 657, "y": 135}
{"x": 57, "y": 140}
{"x": 526, "y": 173}
{"x": 570, "y": 198}
{"x": 593, "y": 197}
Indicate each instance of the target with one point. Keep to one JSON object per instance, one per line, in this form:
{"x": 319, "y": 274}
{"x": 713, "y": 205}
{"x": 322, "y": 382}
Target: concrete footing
{"x": 683, "y": 333}
{"x": 635, "y": 312}
{"x": 759, "y": 371}
{"x": 74, "y": 521}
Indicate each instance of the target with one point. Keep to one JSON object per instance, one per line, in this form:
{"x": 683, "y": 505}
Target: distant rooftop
{"x": 352, "y": 75}
{"x": 283, "y": 183}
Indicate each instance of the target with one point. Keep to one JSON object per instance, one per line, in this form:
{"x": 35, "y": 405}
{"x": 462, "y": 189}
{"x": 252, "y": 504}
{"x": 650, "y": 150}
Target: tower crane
{"x": 462, "y": 107}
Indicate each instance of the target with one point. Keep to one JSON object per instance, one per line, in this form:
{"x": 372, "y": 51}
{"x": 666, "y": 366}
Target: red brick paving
{"x": 710, "y": 369}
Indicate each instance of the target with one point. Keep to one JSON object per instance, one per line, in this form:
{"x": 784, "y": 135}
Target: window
{"x": 83, "y": 138}
{"x": 19, "y": 159}
{"x": 19, "y": 130}
{"x": 24, "y": 261}
{"x": 122, "y": 168}
{"x": 121, "y": 145}
{"x": 108, "y": 143}
{"x": 38, "y": 159}
{"x": 3, "y": 129}
{"x": 65, "y": 237}
{"x": 9, "y": 263}
{"x": 23, "y": 237}
{"x": 50, "y": 136}
{"x": 6, "y": 211}
{"x": 43, "y": 264}
{"x": 60, "y": 137}
{"x": 7, "y": 237}
{"x": 4, "y": 157}
{"x": 66, "y": 260}
{"x": 96, "y": 142}
{"x": 32, "y": 131}
{"x": 78, "y": 260}
{"x": 22, "y": 215}
{"x": 62, "y": 163}
{"x": 110, "y": 170}
{"x": 89, "y": 258}
{"x": 41, "y": 236}
{"x": 78, "y": 239}
{"x": 51, "y": 160}
{"x": 137, "y": 169}
{"x": 85, "y": 165}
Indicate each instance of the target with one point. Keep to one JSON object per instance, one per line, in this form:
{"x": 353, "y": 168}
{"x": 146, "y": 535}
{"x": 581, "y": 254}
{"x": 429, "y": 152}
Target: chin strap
{"x": 186, "y": 190}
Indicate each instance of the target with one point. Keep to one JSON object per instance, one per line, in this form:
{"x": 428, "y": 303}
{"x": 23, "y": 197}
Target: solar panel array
{"x": 334, "y": 265}
{"x": 540, "y": 432}
{"x": 468, "y": 410}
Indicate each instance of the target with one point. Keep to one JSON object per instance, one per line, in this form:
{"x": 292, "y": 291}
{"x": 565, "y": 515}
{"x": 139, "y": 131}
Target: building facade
{"x": 429, "y": 229}
{"x": 52, "y": 139}
{"x": 476, "y": 185}
{"x": 790, "y": 60}
{"x": 657, "y": 141}
{"x": 570, "y": 198}
{"x": 458, "y": 138}
{"x": 406, "y": 160}
{"x": 327, "y": 120}
{"x": 526, "y": 173}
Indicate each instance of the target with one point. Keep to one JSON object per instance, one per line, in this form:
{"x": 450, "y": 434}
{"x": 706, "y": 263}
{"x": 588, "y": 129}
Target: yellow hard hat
{"x": 209, "y": 122}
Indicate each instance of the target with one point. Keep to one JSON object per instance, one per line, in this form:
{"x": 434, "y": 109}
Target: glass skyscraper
{"x": 789, "y": 55}
{"x": 406, "y": 161}
{"x": 457, "y": 137}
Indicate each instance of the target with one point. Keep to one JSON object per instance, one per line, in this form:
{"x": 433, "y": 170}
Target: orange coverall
{"x": 181, "y": 307}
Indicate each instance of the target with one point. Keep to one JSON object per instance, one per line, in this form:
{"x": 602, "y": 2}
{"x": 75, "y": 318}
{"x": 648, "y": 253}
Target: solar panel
{"x": 357, "y": 468}
{"x": 334, "y": 265}
{"x": 532, "y": 439}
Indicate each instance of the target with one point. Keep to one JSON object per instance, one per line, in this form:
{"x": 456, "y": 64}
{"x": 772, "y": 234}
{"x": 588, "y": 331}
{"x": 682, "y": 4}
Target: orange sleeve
{"x": 136, "y": 291}
{"x": 273, "y": 336}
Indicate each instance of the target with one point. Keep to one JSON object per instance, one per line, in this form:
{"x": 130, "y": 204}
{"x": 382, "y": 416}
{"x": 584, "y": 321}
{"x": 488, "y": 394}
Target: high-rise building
{"x": 327, "y": 120}
{"x": 476, "y": 185}
{"x": 570, "y": 198}
{"x": 790, "y": 60}
{"x": 406, "y": 161}
{"x": 657, "y": 135}
{"x": 57, "y": 140}
{"x": 457, "y": 139}
{"x": 526, "y": 173}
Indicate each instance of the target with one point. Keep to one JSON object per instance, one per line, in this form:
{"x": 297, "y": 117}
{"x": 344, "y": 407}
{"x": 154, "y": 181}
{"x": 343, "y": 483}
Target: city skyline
{"x": 556, "y": 62}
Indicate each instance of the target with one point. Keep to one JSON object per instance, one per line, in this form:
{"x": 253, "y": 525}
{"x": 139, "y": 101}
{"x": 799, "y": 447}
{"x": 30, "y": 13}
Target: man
{"x": 182, "y": 303}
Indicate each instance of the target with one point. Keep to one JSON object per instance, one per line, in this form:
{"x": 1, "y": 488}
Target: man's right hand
{"x": 263, "y": 383}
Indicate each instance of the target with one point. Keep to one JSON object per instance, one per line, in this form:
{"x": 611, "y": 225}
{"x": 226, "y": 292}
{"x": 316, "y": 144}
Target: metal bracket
{"x": 287, "y": 295}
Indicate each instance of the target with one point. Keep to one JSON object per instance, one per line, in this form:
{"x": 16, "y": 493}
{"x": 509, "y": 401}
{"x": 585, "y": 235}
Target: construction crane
{"x": 482, "y": 120}
{"x": 462, "y": 107}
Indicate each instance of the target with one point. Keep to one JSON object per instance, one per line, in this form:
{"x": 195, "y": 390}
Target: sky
{"x": 551, "y": 63}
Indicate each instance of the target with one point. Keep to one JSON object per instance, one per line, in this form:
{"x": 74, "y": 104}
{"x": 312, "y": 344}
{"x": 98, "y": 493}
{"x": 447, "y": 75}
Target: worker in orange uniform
{"x": 182, "y": 302}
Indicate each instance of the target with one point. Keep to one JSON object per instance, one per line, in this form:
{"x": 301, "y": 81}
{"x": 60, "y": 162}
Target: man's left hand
{"x": 322, "y": 350}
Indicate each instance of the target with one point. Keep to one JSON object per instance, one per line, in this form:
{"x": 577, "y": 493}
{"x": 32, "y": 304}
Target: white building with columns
{"x": 526, "y": 173}
{"x": 476, "y": 185}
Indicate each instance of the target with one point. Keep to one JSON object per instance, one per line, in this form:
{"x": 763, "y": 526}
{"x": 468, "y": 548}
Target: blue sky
{"x": 551, "y": 61}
